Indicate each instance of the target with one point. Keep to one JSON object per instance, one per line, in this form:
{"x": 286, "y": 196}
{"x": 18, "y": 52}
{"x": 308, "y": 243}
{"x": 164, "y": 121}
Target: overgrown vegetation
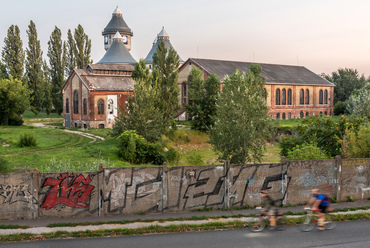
{"x": 27, "y": 139}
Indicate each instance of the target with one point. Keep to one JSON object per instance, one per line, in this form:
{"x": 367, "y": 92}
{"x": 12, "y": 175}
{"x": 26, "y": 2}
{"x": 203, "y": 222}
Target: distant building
{"x": 293, "y": 91}
{"x": 162, "y": 36}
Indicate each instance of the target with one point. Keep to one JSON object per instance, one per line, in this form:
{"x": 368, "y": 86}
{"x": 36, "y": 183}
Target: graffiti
{"x": 70, "y": 190}
{"x": 315, "y": 178}
{"x": 16, "y": 193}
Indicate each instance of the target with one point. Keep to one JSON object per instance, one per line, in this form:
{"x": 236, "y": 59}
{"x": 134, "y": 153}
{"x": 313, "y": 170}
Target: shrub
{"x": 357, "y": 145}
{"x": 172, "y": 156}
{"x": 27, "y": 139}
{"x": 306, "y": 152}
{"x": 287, "y": 143}
{"x": 16, "y": 121}
{"x": 195, "y": 159}
{"x": 350, "y": 199}
{"x": 4, "y": 168}
{"x": 339, "y": 108}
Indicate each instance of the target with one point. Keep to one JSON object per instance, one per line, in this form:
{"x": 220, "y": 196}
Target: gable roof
{"x": 274, "y": 74}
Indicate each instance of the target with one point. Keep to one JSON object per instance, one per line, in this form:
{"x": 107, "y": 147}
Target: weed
{"x": 349, "y": 199}
{"x": 27, "y": 139}
{"x": 333, "y": 199}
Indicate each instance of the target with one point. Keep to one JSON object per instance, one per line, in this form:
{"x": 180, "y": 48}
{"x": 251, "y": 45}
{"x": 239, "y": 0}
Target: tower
{"x": 117, "y": 24}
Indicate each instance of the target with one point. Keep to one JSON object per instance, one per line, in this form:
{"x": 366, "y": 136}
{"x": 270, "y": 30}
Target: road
{"x": 353, "y": 234}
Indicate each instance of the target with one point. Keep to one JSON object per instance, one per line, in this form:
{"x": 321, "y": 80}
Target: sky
{"x": 322, "y": 35}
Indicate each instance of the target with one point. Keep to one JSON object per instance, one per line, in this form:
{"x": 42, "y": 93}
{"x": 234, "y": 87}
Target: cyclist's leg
{"x": 271, "y": 214}
{"x": 321, "y": 221}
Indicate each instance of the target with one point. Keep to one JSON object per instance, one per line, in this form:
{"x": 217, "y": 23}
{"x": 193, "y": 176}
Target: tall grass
{"x": 188, "y": 136}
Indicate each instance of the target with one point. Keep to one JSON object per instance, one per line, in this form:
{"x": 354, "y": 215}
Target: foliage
{"x": 13, "y": 54}
{"x": 141, "y": 113}
{"x": 323, "y": 131}
{"x": 34, "y": 69}
{"x": 47, "y": 103}
{"x": 242, "y": 125}
{"x": 357, "y": 144}
{"x": 346, "y": 80}
{"x": 202, "y": 100}
{"x": 57, "y": 65}
{"x": 165, "y": 75}
{"x": 172, "y": 156}
{"x": 82, "y": 48}
{"x": 185, "y": 136}
{"x": 27, "y": 139}
{"x": 339, "y": 108}
{"x": 14, "y": 98}
{"x": 70, "y": 55}
{"x": 3, "y": 72}
{"x": 306, "y": 151}
{"x": 194, "y": 159}
{"x": 4, "y": 166}
{"x": 359, "y": 102}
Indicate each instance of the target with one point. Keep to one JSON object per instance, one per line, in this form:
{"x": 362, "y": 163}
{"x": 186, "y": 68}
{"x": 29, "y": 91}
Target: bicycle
{"x": 311, "y": 221}
{"x": 263, "y": 220}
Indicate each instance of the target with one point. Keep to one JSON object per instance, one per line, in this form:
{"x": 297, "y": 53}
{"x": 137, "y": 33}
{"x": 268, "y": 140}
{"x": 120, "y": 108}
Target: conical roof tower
{"x": 117, "y": 53}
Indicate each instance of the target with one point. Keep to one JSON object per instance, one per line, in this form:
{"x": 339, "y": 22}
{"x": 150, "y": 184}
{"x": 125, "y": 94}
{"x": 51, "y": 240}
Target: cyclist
{"x": 321, "y": 202}
{"x": 268, "y": 204}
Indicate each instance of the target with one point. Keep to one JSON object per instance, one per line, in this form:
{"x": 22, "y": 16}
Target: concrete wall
{"x": 155, "y": 189}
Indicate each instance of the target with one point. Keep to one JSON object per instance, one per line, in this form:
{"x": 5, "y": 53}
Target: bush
{"x": 357, "y": 145}
{"x": 339, "y": 108}
{"x": 195, "y": 159}
{"x": 172, "y": 157}
{"x": 16, "y": 121}
{"x": 306, "y": 152}
{"x": 287, "y": 143}
{"x": 4, "y": 168}
{"x": 27, "y": 139}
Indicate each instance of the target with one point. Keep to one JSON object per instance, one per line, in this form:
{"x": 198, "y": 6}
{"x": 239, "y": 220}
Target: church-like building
{"x": 92, "y": 96}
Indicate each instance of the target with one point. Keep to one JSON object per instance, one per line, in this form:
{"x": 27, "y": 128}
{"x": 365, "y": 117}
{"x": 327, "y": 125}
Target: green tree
{"x": 70, "y": 54}
{"x": 212, "y": 90}
{"x": 357, "y": 142}
{"x": 82, "y": 48}
{"x": 141, "y": 114}
{"x": 14, "y": 98}
{"x": 359, "y": 102}
{"x": 346, "y": 80}
{"x": 165, "y": 75}
{"x": 196, "y": 99}
{"x": 57, "y": 65}
{"x": 13, "y": 54}
{"x": 34, "y": 69}
{"x": 47, "y": 103}
{"x": 306, "y": 151}
{"x": 3, "y": 72}
{"x": 242, "y": 124}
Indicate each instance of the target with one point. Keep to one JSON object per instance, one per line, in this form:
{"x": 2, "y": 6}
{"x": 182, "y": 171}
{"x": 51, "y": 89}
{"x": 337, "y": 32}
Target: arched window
{"x": 278, "y": 116}
{"x": 283, "y": 100}
{"x": 67, "y": 106}
{"x": 184, "y": 93}
{"x": 75, "y": 102}
{"x": 326, "y": 112}
{"x": 283, "y": 116}
{"x": 307, "y": 114}
{"x": 326, "y": 97}
{"x": 278, "y": 97}
{"x": 320, "y": 113}
{"x": 301, "y": 97}
{"x": 110, "y": 106}
{"x": 307, "y": 96}
{"x": 289, "y": 116}
{"x": 320, "y": 97}
{"x": 289, "y": 97}
{"x": 85, "y": 106}
{"x": 100, "y": 107}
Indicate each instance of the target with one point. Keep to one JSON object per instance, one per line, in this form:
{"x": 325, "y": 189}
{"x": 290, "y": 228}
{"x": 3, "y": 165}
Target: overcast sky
{"x": 322, "y": 35}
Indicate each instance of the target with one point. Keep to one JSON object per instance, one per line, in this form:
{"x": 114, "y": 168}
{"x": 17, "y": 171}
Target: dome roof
{"x": 117, "y": 24}
{"x": 117, "y": 53}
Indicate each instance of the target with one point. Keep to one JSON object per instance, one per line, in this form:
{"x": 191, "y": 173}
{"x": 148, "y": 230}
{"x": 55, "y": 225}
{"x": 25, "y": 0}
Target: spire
{"x": 117, "y": 12}
{"x": 163, "y": 35}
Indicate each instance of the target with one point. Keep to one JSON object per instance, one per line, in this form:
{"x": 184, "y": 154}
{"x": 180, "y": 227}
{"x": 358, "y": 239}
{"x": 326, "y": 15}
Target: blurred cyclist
{"x": 268, "y": 204}
{"x": 319, "y": 202}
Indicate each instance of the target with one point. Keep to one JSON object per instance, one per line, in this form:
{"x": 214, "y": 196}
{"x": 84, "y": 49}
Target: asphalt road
{"x": 351, "y": 234}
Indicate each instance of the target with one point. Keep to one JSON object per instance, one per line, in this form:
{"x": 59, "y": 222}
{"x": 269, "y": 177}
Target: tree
{"x": 70, "y": 56}
{"x": 165, "y": 74}
{"x": 141, "y": 114}
{"x": 82, "y": 48}
{"x": 359, "y": 102}
{"x": 346, "y": 80}
{"x": 34, "y": 69}
{"x": 57, "y": 65}
{"x": 242, "y": 124}
{"x": 47, "y": 103}
{"x": 14, "y": 98}
{"x": 3, "y": 72}
{"x": 13, "y": 54}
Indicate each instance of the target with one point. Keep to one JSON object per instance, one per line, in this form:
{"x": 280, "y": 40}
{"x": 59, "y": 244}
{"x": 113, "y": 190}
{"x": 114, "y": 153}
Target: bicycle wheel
{"x": 330, "y": 222}
{"x": 281, "y": 223}
{"x": 308, "y": 224}
{"x": 258, "y": 224}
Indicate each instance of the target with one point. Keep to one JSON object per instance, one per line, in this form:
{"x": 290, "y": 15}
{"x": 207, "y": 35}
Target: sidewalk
{"x": 39, "y": 225}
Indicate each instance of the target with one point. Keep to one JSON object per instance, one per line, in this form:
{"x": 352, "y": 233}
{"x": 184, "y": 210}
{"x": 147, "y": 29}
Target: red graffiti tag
{"x": 72, "y": 192}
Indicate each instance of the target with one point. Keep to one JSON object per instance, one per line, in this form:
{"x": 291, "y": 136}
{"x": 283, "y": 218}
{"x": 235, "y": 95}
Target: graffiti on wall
{"x": 67, "y": 189}
{"x": 359, "y": 180}
{"x": 16, "y": 193}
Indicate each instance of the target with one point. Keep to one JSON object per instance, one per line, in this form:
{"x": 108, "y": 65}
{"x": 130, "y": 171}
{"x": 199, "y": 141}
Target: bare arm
{"x": 310, "y": 202}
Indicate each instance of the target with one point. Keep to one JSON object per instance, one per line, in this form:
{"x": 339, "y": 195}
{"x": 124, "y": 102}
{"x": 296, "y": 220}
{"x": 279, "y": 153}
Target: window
{"x": 307, "y": 97}
{"x": 100, "y": 107}
{"x": 278, "y": 97}
{"x": 101, "y": 125}
{"x": 326, "y": 112}
{"x": 75, "y": 102}
{"x": 325, "y": 97}
{"x": 289, "y": 97}
{"x": 278, "y": 116}
{"x": 265, "y": 93}
{"x": 67, "y": 106}
{"x": 301, "y": 97}
{"x": 283, "y": 100}
{"x": 320, "y": 97}
{"x": 283, "y": 116}
{"x": 184, "y": 93}
{"x": 320, "y": 113}
{"x": 289, "y": 116}
{"x": 110, "y": 106}
{"x": 85, "y": 106}
{"x": 307, "y": 114}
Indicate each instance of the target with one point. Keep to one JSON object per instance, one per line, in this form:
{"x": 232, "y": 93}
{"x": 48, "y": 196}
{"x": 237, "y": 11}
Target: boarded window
{"x": 100, "y": 107}
{"x": 325, "y": 97}
{"x": 278, "y": 97}
{"x": 301, "y": 97}
{"x": 283, "y": 100}
{"x": 321, "y": 97}
{"x": 307, "y": 97}
{"x": 289, "y": 97}
{"x": 75, "y": 103}
{"x": 85, "y": 106}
